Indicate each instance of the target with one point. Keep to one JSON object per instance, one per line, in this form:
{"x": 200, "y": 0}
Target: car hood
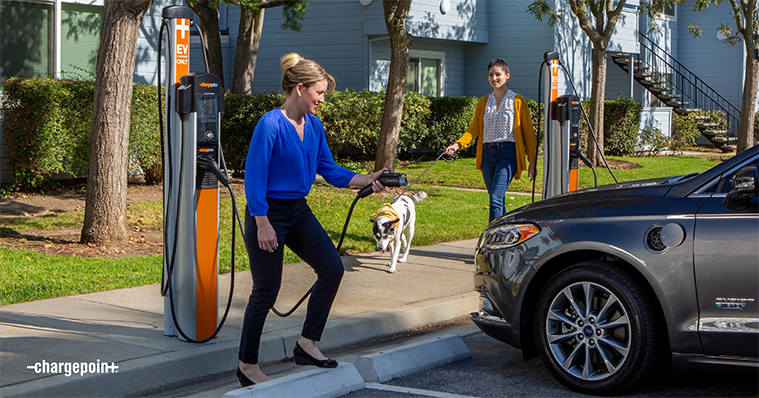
{"x": 628, "y": 198}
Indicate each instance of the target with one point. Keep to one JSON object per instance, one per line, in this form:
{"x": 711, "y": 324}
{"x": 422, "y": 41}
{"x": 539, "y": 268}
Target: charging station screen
{"x": 207, "y": 108}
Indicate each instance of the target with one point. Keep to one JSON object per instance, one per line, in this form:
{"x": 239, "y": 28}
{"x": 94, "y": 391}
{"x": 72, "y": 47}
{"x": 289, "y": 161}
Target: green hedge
{"x": 352, "y": 120}
{"x": 621, "y": 126}
{"x": 241, "y": 114}
{"x": 47, "y": 125}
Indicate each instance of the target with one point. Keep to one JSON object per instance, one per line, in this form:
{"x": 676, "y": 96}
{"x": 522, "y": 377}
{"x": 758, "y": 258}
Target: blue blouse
{"x": 281, "y": 166}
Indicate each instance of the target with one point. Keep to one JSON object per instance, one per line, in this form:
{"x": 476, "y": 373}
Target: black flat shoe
{"x": 303, "y": 358}
{"x": 244, "y": 380}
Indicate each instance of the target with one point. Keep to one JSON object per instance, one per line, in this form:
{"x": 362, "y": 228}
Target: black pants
{"x": 297, "y": 227}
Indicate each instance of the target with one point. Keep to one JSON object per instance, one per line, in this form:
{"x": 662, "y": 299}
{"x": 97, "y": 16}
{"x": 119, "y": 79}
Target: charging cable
{"x": 590, "y": 128}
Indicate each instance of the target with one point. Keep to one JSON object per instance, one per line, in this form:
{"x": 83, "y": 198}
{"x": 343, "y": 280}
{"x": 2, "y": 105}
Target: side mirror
{"x": 744, "y": 189}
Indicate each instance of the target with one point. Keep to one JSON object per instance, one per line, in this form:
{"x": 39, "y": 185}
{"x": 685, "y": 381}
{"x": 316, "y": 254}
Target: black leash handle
{"x": 450, "y": 159}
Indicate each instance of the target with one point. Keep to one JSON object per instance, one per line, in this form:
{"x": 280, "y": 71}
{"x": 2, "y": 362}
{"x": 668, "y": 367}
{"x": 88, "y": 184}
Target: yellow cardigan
{"x": 524, "y": 134}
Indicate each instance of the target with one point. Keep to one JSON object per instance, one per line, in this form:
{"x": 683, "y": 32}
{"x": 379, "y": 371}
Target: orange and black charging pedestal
{"x": 562, "y": 134}
{"x": 194, "y": 104}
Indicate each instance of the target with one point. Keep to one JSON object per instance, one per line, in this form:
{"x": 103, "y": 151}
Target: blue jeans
{"x": 499, "y": 163}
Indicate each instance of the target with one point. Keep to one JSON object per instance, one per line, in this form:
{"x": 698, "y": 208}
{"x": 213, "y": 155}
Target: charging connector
{"x": 390, "y": 180}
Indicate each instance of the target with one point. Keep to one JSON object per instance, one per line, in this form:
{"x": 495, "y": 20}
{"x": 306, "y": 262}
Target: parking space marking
{"x": 408, "y": 390}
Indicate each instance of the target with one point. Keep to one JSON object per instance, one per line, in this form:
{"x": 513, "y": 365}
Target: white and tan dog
{"x": 389, "y": 223}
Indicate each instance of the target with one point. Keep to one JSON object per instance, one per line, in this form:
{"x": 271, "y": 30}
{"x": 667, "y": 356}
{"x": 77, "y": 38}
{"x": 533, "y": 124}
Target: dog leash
{"x": 450, "y": 159}
{"x": 288, "y": 313}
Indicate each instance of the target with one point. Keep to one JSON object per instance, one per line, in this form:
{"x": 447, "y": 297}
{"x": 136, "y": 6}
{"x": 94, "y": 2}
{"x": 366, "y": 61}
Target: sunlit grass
{"x": 446, "y": 215}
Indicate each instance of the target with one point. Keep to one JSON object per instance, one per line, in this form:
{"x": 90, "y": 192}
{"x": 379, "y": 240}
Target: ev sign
{"x": 182, "y": 47}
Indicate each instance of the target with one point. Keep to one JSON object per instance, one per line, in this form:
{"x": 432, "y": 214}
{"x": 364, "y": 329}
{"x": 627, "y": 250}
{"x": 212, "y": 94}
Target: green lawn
{"x": 27, "y": 276}
{"x": 462, "y": 172}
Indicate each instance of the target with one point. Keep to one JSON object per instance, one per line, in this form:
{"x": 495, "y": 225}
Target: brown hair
{"x": 296, "y": 69}
{"x": 501, "y": 63}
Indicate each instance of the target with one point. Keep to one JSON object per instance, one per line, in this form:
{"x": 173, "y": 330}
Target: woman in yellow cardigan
{"x": 503, "y": 129}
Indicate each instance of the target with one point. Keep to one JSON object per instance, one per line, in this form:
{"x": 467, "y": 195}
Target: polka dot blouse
{"x": 499, "y": 120}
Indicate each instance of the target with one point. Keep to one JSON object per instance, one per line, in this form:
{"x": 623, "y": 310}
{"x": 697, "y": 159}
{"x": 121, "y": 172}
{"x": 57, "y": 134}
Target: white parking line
{"x": 408, "y": 390}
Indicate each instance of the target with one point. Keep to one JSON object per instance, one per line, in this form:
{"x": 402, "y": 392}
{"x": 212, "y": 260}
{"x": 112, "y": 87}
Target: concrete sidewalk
{"x": 125, "y": 327}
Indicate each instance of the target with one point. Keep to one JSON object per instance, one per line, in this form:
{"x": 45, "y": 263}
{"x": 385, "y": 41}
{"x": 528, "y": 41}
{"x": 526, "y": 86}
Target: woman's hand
{"x": 362, "y": 180}
{"x": 532, "y": 171}
{"x": 376, "y": 185}
{"x": 451, "y": 150}
{"x": 267, "y": 237}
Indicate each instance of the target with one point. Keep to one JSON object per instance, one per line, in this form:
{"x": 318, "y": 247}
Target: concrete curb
{"x": 176, "y": 367}
{"x": 314, "y": 383}
{"x": 378, "y": 367}
{"x": 412, "y": 358}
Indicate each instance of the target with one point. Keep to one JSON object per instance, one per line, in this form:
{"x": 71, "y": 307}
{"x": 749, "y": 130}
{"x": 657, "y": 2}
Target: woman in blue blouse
{"x": 286, "y": 152}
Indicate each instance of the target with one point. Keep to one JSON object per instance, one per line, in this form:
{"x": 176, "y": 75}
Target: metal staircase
{"x": 677, "y": 87}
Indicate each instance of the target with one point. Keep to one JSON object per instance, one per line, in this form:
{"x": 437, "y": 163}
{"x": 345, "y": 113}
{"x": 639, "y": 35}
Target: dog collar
{"x": 387, "y": 211}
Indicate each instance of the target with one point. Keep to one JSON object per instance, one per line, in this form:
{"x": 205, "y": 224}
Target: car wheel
{"x": 596, "y": 330}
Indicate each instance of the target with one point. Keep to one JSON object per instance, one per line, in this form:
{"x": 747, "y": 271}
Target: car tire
{"x": 602, "y": 347}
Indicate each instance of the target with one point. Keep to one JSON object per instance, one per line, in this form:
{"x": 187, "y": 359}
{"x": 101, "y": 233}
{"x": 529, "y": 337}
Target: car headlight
{"x": 508, "y": 235}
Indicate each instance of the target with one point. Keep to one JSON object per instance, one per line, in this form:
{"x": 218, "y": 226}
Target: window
{"x": 424, "y": 76}
{"x": 27, "y": 45}
{"x": 665, "y": 10}
{"x": 80, "y": 39}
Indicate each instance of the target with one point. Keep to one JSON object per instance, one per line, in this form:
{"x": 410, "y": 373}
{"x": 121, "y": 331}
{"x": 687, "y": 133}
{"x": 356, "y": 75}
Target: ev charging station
{"x": 561, "y": 150}
{"x": 194, "y": 104}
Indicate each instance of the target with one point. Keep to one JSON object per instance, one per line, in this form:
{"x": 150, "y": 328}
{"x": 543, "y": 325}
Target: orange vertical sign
{"x": 554, "y": 79}
{"x": 182, "y": 51}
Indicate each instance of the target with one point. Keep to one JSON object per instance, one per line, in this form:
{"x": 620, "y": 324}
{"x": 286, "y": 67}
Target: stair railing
{"x": 678, "y": 80}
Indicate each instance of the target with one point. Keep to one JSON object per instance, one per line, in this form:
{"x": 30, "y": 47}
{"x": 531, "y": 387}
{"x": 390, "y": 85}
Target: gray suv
{"x": 606, "y": 284}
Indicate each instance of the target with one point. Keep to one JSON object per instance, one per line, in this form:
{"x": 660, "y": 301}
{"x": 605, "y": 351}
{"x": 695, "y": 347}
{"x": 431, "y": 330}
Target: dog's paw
{"x": 401, "y": 260}
{"x": 391, "y": 270}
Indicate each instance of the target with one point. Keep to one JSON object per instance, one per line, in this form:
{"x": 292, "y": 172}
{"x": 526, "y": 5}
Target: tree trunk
{"x": 246, "y": 55}
{"x": 596, "y": 113}
{"x": 396, "y": 13}
{"x": 746, "y": 138}
{"x": 105, "y": 207}
{"x": 209, "y": 20}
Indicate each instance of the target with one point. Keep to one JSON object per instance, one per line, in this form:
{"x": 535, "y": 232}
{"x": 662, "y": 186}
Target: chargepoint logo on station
{"x": 208, "y": 85}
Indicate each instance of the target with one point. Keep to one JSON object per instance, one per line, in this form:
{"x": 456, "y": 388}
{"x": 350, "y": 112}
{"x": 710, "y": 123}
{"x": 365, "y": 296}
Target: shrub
{"x": 537, "y": 116}
{"x": 684, "y": 132}
{"x": 448, "y": 118}
{"x": 241, "y": 114}
{"x": 621, "y": 126}
{"x": 145, "y": 132}
{"x": 652, "y": 141}
{"x": 46, "y": 128}
{"x": 352, "y": 119}
{"x": 47, "y": 125}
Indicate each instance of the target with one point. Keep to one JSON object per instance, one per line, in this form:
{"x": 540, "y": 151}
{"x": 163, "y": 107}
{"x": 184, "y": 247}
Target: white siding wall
{"x": 721, "y": 66}
{"x": 451, "y": 53}
{"x": 515, "y": 36}
{"x": 332, "y": 35}
{"x": 466, "y": 20}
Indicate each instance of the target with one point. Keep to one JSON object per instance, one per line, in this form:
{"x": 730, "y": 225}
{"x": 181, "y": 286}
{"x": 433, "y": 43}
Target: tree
{"x": 396, "y": 14}
{"x": 249, "y": 36}
{"x": 105, "y": 206}
{"x": 599, "y": 26}
{"x": 208, "y": 13}
{"x": 747, "y": 24}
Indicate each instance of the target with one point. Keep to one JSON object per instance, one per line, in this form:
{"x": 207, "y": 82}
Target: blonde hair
{"x": 296, "y": 69}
